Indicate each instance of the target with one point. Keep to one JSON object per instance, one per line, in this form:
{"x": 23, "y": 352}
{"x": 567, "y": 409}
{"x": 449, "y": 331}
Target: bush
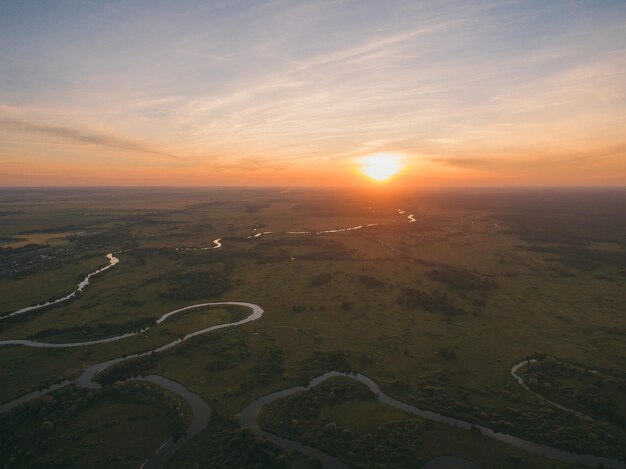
{"x": 447, "y": 353}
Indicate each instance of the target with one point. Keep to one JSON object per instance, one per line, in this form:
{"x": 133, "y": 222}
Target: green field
{"x": 436, "y": 312}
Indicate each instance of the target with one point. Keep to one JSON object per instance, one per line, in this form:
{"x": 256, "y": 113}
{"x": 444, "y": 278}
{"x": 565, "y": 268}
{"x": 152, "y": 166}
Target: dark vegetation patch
{"x": 598, "y": 395}
{"x": 115, "y": 237}
{"x": 30, "y": 259}
{"x": 139, "y": 366}
{"x": 95, "y": 331}
{"x": 571, "y": 228}
{"x": 447, "y": 353}
{"x": 564, "y": 216}
{"x": 461, "y": 279}
{"x": 433, "y": 302}
{"x": 4, "y": 252}
{"x": 370, "y": 282}
{"x": 320, "y": 279}
{"x": 253, "y": 208}
{"x": 28, "y": 431}
{"x": 7, "y": 213}
{"x": 322, "y": 361}
{"x": 582, "y": 258}
{"x": 196, "y": 285}
{"x": 539, "y": 422}
{"x": 225, "y": 445}
{"x": 391, "y": 445}
{"x": 239, "y": 447}
{"x": 224, "y": 351}
{"x": 269, "y": 365}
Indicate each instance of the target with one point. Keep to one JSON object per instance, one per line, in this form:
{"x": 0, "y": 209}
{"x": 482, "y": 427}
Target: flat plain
{"x": 436, "y": 311}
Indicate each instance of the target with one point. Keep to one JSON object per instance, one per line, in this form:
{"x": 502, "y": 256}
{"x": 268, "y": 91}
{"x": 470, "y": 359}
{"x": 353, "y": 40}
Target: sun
{"x": 381, "y": 166}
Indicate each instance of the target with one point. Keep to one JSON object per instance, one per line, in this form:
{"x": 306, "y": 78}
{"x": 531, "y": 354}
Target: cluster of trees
{"x": 29, "y": 431}
{"x": 447, "y": 353}
{"x": 238, "y": 447}
{"x": 139, "y": 366}
{"x": 529, "y": 418}
{"x": 305, "y": 406}
{"x": 269, "y": 364}
{"x": 226, "y": 446}
{"x": 434, "y": 301}
{"x": 594, "y": 394}
{"x": 391, "y": 445}
{"x": 226, "y": 352}
{"x": 461, "y": 279}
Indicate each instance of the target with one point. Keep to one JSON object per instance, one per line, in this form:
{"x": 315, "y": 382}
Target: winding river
{"x": 515, "y": 368}
{"x": 411, "y": 219}
{"x": 249, "y": 418}
{"x": 201, "y": 410}
{"x": 81, "y": 286}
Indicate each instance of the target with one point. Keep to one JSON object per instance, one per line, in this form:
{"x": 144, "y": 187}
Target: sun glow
{"x": 381, "y": 166}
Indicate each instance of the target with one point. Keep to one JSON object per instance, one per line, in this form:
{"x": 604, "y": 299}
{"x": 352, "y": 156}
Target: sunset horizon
{"x": 299, "y": 93}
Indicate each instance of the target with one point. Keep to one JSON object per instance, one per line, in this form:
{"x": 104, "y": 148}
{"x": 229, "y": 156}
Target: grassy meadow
{"x": 436, "y": 311}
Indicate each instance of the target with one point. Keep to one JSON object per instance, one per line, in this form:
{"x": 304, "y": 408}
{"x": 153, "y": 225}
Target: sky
{"x": 284, "y": 93}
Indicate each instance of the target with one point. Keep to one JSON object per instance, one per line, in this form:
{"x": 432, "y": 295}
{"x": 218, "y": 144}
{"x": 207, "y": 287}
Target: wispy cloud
{"x": 485, "y": 85}
{"x": 83, "y": 136}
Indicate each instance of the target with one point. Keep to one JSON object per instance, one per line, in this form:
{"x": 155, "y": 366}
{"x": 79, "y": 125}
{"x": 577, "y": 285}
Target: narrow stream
{"x": 515, "y": 368}
{"x": 81, "y": 286}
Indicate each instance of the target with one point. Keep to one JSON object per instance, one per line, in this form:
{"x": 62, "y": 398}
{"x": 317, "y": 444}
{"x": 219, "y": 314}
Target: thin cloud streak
{"x": 82, "y": 136}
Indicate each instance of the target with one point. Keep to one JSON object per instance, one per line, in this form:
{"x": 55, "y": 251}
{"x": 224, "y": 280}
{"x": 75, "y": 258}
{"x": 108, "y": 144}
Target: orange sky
{"x": 297, "y": 93}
